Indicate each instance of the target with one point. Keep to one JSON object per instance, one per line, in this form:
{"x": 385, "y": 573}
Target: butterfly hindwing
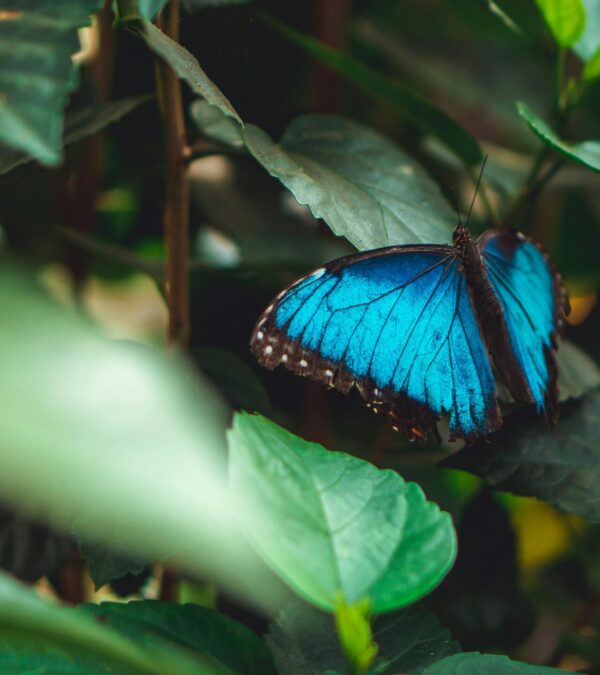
{"x": 533, "y": 303}
{"x": 397, "y": 322}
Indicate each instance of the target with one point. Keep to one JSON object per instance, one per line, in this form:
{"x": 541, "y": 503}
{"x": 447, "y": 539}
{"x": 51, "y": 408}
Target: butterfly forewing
{"x": 399, "y": 323}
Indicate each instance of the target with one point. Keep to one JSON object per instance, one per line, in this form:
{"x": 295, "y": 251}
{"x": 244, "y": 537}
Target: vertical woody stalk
{"x": 176, "y": 208}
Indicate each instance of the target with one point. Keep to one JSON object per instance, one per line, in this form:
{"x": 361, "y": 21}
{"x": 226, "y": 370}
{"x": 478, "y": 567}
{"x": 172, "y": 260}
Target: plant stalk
{"x": 176, "y": 207}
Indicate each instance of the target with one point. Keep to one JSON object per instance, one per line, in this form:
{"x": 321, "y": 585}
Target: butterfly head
{"x": 461, "y": 236}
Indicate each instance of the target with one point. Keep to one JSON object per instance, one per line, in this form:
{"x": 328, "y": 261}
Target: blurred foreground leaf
{"x": 40, "y": 636}
{"x": 196, "y": 5}
{"x": 150, "y": 8}
{"x": 585, "y": 152}
{"x": 230, "y": 645}
{"x": 184, "y": 64}
{"x": 304, "y": 642}
{"x": 113, "y": 440}
{"x": 490, "y": 664}
{"x": 560, "y": 465}
{"x": 565, "y": 18}
{"x": 431, "y": 119}
{"x": 37, "y": 39}
{"x": 79, "y": 124}
{"x": 318, "y": 517}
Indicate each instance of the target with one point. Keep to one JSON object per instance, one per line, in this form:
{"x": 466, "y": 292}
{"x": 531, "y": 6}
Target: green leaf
{"x": 427, "y": 116}
{"x": 114, "y": 440}
{"x": 36, "y": 634}
{"x": 589, "y": 42}
{"x": 353, "y": 624}
{"x": 215, "y": 125}
{"x": 560, "y": 465}
{"x": 303, "y": 641}
{"x": 363, "y": 185}
{"x": 577, "y": 372}
{"x": 105, "y": 563}
{"x": 150, "y": 8}
{"x": 591, "y": 69}
{"x": 185, "y": 65}
{"x": 37, "y": 39}
{"x": 490, "y": 664}
{"x": 79, "y": 124}
{"x": 586, "y": 152}
{"x": 565, "y": 18}
{"x": 232, "y": 646}
{"x": 329, "y": 523}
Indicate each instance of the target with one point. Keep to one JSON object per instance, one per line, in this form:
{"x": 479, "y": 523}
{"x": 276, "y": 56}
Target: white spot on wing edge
{"x": 260, "y": 335}
{"x": 303, "y": 363}
{"x": 284, "y": 358}
{"x": 268, "y": 349}
{"x": 318, "y": 273}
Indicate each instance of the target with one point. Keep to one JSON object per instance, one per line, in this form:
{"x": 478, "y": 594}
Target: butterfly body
{"x": 417, "y": 328}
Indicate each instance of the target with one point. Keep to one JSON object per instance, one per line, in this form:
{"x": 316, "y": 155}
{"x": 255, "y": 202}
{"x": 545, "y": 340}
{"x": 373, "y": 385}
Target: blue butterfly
{"x": 417, "y": 328}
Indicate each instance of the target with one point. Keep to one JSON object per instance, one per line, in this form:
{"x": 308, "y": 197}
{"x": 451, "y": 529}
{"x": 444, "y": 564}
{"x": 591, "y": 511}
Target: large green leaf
{"x": 37, "y": 39}
{"x": 560, "y": 465}
{"x": 585, "y": 152}
{"x": 184, "y": 64}
{"x": 431, "y": 119}
{"x": 362, "y": 184}
{"x": 79, "y": 124}
{"x": 491, "y": 664}
{"x": 304, "y": 642}
{"x": 42, "y": 637}
{"x": 565, "y": 19}
{"x": 330, "y": 524}
{"x": 232, "y": 646}
{"x": 113, "y": 440}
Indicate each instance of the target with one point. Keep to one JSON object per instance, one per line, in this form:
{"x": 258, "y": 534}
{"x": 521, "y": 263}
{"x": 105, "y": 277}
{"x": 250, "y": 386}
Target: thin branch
{"x": 176, "y": 208}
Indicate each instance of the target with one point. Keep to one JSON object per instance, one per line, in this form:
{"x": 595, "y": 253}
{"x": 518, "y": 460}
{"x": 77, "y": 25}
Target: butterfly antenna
{"x": 456, "y": 205}
{"x": 476, "y": 188}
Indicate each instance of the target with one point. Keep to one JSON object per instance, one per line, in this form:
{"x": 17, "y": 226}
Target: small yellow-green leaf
{"x": 565, "y": 18}
{"x": 353, "y": 624}
{"x": 591, "y": 69}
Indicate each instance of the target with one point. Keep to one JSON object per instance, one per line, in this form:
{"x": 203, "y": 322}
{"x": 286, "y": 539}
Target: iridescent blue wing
{"x": 533, "y": 303}
{"x": 397, "y": 322}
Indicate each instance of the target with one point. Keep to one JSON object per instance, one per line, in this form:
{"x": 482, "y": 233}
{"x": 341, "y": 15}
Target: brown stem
{"x": 176, "y": 208}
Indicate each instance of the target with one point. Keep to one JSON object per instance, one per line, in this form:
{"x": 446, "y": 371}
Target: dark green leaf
{"x": 215, "y": 125}
{"x": 237, "y": 381}
{"x": 430, "y": 118}
{"x": 589, "y": 43}
{"x": 585, "y": 152}
{"x": 577, "y": 372}
{"x": 304, "y": 642}
{"x": 496, "y": 10}
{"x": 560, "y": 465}
{"x": 482, "y": 598}
{"x": 36, "y": 633}
{"x": 79, "y": 124}
{"x": 185, "y": 65}
{"x": 490, "y": 664}
{"x": 565, "y": 19}
{"x": 363, "y": 186}
{"x": 105, "y": 563}
{"x": 37, "y": 39}
{"x": 232, "y": 646}
{"x": 329, "y": 523}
